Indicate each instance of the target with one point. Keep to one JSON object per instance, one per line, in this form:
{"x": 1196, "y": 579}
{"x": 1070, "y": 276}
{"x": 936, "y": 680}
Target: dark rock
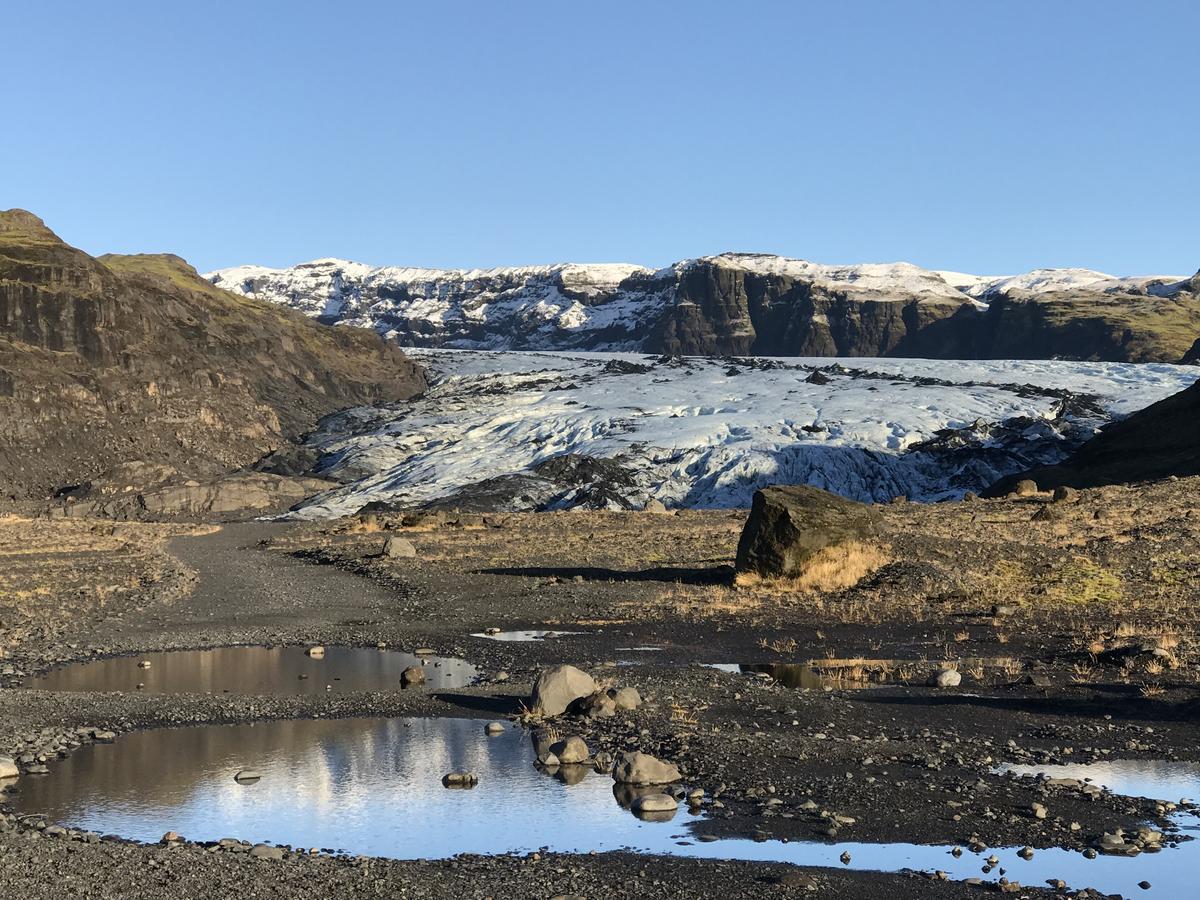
{"x": 788, "y": 525}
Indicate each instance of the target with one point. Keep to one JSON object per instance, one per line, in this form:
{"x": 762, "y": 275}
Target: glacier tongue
{"x": 703, "y": 432}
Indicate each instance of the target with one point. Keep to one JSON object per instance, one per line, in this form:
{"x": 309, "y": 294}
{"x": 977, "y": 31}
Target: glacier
{"x": 704, "y": 432}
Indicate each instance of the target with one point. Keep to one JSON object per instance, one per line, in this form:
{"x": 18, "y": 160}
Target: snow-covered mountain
{"x": 520, "y": 430}
{"x": 743, "y": 303}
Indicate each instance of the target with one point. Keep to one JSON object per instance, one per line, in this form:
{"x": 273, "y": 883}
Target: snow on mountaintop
{"x": 879, "y": 278}
{"x": 709, "y": 432}
{"x": 780, "y": 306}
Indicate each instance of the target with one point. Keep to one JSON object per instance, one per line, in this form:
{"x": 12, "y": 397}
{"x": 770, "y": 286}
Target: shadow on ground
{"x": 668, "y": 574}
{"x": 498, "y": 705}
{"x": 1118, "y": 701}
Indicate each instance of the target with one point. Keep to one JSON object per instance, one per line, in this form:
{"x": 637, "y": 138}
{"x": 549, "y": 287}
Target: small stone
{"x": 641, "y": 768}
{"x": 1025, "y": 487}
{"x": 171, "y": 837}
{"x": 557, "y": 688}
{"x": 627, "y": 698}
{"x": 412, "y": 676}
{"x": 947, "y": 678}
{"x": 399, "y": 548}
{"x": 1039, "y": 810}
{"x": 571, "y": 750}
{"x": 654, "y": 803}
{"x": 654, "y": 506}
{"x": 494, "y": 728}
{"x": 265, "y": 851}
{"x": 315, "y": 652}
{"x": 144, "y": 664}
{"x": 246, "y": 776}
{"x": 460, "y": 779}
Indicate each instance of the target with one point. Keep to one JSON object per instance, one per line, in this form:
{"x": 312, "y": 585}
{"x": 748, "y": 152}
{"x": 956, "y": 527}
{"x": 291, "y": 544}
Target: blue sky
{"x": 983, "y": 136}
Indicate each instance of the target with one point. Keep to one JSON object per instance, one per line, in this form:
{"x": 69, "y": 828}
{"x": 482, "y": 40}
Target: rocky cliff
{"x": 120, "y": 358}
{"x": 749, "y": 304}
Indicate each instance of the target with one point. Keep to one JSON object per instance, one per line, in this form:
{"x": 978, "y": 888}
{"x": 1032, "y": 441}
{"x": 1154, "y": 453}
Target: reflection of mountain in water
{"x": 257, "y": 670}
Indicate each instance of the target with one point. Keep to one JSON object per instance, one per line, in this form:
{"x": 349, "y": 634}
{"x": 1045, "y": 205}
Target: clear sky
{"x": 982, "y": 136}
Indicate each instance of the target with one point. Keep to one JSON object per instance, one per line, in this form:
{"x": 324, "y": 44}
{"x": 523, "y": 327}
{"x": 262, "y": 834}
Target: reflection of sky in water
{"x": 255, "y": 670}
{"x": 528, "y": 635}
{"x": 374, "y": 786}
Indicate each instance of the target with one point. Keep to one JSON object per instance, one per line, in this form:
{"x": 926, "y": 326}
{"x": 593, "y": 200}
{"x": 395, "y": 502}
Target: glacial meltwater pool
{"x": 255, "y": 670}
{"x": 374, "y": 786}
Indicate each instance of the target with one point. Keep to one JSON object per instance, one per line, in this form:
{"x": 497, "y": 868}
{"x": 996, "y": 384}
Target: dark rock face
{"x": 124, "y": 358}
{"x": 722, "y": 310}
{"x": 789, "y": 525}
{"x": 1157, "y": 442}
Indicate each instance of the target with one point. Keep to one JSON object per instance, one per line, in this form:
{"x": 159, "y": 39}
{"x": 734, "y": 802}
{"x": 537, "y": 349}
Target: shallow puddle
{"x": 374, "y": 786}
{"x": 255, "y": 670}
{"x": 527, "y": 635}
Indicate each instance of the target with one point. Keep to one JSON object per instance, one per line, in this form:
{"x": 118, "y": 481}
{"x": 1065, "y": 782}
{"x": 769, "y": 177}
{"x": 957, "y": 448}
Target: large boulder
{"x": 557, "y": 688}
{"x": 789, "y": 525}
{"x": 642, "y": 768}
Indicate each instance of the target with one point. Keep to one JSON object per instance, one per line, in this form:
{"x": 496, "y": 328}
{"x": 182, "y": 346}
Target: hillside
{"x": 749, "y": 304}
{"x": 136, "y": 358}
{"x": 1157, "y": 442}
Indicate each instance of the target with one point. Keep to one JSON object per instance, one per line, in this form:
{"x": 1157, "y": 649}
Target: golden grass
{"x": 830, "y": 569}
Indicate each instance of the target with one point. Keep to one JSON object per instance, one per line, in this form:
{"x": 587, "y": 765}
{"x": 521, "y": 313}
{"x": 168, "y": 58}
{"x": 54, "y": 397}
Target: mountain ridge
{"x": 748, "y": 304}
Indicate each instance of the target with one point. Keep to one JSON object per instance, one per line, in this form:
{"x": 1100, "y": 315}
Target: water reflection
{"x": 532, "y": 634}
{"x": 255, "y": 670}
{"x": 374, "y": 786}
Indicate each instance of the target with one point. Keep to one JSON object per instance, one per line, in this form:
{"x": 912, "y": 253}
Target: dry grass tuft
{"x": 831, "y": 569}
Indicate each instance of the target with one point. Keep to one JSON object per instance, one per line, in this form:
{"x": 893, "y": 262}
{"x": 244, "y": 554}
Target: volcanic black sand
{"x": 1057, "y": 626}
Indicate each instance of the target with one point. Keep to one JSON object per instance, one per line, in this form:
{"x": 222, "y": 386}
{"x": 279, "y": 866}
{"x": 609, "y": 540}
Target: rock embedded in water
{"x": 171, "y": 837}
{"x": 8, "y": 767}
{"x": 412, "y": 676}
{"x": 655, "y": 803}
{"x": 946, "y": 678}
{"x": 791, "y": 524}
{"x": 460, "y": 779}
{"x": 247, "y": 775}
{"x": 571, "y": 750}
{"x": 557, "y": 688}
{"x": 641, "y": 768}
{"x": 315, "y": 652}
{"x": 399, "y": 548}
{"x": 494, "y": 728}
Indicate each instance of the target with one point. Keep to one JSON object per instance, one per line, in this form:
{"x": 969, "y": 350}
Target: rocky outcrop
{"x": 124, "y": 358}
{"x": 789, "y": 525}
{"x": 749, "y": 304}
{"x": 1157, "y": 442}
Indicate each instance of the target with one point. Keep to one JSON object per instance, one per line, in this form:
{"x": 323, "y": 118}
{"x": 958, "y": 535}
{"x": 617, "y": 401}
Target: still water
{"x": 255, "y": 670}
{"x": 374, "y": 786}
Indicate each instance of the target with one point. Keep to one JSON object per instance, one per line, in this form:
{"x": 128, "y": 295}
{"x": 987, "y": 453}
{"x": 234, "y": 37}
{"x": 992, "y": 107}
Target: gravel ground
{"x": 919, "y": 757}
